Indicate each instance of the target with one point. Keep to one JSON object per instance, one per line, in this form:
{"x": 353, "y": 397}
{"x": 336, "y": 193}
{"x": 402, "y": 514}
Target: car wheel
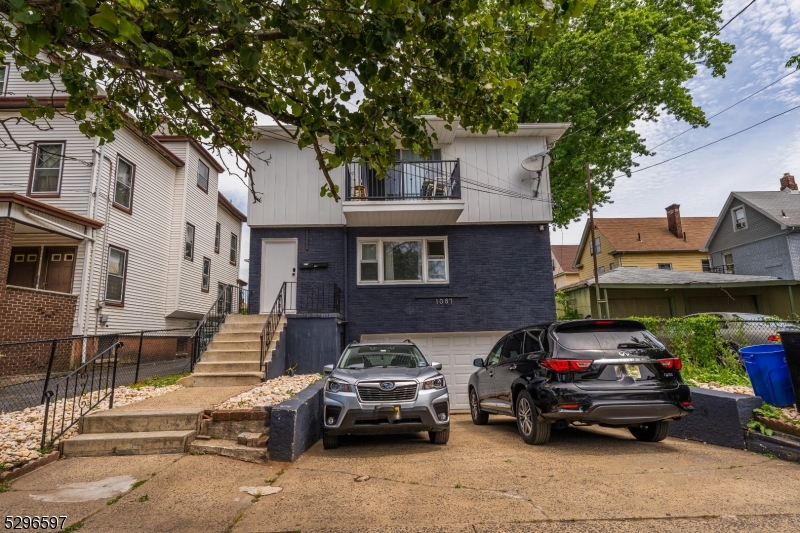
{"x": 652, "y": 432}
{"x": 530, "y": 429}
{"x": 439, "y": 437}
{"x": 479, "y": 418}
{"x": 329, "y": 442}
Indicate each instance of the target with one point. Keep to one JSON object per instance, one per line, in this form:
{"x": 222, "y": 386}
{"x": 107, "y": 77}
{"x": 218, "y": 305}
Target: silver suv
{"x": 384, "y": 388}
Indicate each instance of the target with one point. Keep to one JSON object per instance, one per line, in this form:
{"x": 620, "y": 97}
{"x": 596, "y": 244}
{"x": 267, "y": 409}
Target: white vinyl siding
{"x": 222, "y": 271}
{"x": 289, "y": 185}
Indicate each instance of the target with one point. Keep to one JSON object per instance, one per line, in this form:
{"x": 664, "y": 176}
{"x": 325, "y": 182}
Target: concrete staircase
{"x": 233, "y": 356}
{"x": 118, "y": 432}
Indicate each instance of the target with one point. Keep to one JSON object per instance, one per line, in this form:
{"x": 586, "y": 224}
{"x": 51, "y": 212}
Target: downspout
{"x": 105, "y": 228}
{"x": 89, "y": 260}
{"x": 346, "y": 276}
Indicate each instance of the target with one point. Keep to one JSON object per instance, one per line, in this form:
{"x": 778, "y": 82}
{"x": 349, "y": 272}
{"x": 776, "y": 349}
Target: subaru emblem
{"x": 387, "y": 385}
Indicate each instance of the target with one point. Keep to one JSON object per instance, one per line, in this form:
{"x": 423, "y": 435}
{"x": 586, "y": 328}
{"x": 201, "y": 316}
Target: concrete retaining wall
{"x": 296, "y": 424}
{"x": 719, "y": 418}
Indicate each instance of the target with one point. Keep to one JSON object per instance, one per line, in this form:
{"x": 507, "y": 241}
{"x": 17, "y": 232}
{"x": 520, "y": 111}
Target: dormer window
{"x": 739, "y": 218}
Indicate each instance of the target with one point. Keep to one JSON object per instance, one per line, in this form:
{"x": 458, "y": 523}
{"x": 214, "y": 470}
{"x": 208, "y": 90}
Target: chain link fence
{"x": 27, "y": 368}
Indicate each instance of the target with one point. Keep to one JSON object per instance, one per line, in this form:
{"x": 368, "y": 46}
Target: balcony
{"x": 413, "y": 193}
{"x": 720, "y": 269}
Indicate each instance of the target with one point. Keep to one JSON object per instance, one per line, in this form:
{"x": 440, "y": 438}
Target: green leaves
{"x": 105, "y": 18}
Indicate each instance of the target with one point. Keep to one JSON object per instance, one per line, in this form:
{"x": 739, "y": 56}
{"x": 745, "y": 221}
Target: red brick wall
{"x": 29, "y": 314}
{"x": 6, "y": 238}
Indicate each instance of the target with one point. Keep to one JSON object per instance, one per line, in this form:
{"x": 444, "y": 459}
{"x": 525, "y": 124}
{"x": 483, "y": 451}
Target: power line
{"x": 726, "y": 109}
{"x": 711, "y": 143}
{"x": 595, "y": 121}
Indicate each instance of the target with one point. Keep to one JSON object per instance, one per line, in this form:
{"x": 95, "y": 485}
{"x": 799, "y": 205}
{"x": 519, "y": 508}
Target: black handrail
{"x": 271, "y": 325}
{"x": 231, "y": 300}
{"x": 407, "y": 180}
{"x": 96, "y": 375}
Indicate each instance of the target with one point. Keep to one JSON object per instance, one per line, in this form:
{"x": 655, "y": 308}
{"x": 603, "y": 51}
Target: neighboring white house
{"x": 135, "y": 229}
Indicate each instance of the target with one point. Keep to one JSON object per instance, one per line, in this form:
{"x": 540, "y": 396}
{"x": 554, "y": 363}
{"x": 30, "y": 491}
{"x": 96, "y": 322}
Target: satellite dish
{"x": 537, "y": 163}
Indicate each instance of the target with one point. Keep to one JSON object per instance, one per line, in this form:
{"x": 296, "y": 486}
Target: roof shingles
{"x": 624, "y": 234}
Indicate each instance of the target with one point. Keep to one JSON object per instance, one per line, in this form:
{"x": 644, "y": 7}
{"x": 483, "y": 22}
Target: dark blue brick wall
{"x": 504, "y": 271}
{"x": 313, "y": 245}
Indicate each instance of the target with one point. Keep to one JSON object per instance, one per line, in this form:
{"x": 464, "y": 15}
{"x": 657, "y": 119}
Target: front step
{"x": 145, "y": 420}
{"x": 250, "y": 328}
{"x": 221, "y": 379}
{"x": 229, "y": 448}
{"x": 138, "y": 443}
{"x": 246, "y": 319}
{"x": 216, "y": 367}
{"x": 236, "y": 345}
{"x": 231, "y": 355}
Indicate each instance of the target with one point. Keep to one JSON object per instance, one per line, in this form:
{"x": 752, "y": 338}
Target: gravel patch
{"x": 21, "y": 431}
{"x": 271, "y": 392}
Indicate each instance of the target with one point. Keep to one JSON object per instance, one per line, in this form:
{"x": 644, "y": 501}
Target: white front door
{"x": 455, "y": 351}
{"x": 278, "y": 265}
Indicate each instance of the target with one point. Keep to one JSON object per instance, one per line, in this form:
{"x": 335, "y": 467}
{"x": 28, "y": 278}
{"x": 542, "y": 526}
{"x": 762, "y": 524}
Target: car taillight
{"x": 604, "y": 322}
{"x": 567, "y": 365}
{"x": 569, "y": 406}
{"x": 686, "y": 403}
{"x": 774, "y": 338}
{"x": 673, "y": 363}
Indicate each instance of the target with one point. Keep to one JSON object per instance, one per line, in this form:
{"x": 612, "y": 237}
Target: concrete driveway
{"x": 485, "y": 480}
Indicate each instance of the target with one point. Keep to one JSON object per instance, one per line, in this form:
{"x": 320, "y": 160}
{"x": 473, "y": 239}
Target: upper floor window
{"x": 188, "y": 243}
{"x": 705, "y": 264}
{"x": 47, "y": 168}
{"x": 601, "y": 270}
{"x": 665, "y": 266}
{"x": 217, "y": 237}
{"x": 422, "y": 260}
{"x": 123, "y": 185}
{"x": 117, "y": 272}
{"x": 234, "y": 248}
{"x": 595, "y": 247}
{"x": 202, "y": 176}
{"x": 739, "y": 218}
{"x": 206, "y": 274}
{"x": 611, "y": 266}
{"x": 3, "y": 82}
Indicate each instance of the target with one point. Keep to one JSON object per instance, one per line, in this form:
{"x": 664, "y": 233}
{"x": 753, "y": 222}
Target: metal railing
{"x": 407, "y": 180}
{"x": 300, "y": 297}
{"x": 720, "y": 269}
{"x": 79, "y": 392}
{"x": 28, "y": 367}
{"x": 231, "y": 300}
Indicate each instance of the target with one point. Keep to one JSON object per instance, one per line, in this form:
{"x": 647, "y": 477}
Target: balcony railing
{"x": 720, "y": 269}
{"x": 407, "y": 180}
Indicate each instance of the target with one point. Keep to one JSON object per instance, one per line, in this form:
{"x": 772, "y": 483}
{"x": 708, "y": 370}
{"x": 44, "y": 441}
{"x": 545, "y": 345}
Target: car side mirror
{"x": 437, "y": 366}
{"x": 327, "y": 369}
{"x": 478, "y": 363}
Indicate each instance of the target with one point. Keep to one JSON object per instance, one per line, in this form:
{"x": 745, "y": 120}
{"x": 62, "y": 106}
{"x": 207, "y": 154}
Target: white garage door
{"x": 455, "y": 351}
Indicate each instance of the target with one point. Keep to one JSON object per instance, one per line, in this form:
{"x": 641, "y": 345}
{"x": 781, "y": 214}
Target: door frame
{"x": 264, "y": 242}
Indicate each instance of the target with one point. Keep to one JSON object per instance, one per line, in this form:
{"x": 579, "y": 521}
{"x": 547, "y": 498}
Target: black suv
{"x": 613, "y": 373}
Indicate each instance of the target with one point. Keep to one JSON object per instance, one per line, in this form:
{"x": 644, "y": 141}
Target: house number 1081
{"x": 444, "y": 301}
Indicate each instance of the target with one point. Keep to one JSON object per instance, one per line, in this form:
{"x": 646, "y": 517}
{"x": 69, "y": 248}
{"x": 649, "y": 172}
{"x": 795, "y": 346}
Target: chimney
{"x": 787, "y": 182}
{"x": 674, "y": 220}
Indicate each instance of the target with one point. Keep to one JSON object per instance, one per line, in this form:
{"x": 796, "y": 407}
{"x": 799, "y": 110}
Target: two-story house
{"x": 756, "y": 233}
{"x": 128, "y": 235}
{"x": 449, "y": 251}
{"x": 564, "y": 270}
{"x": 671, "y": 243}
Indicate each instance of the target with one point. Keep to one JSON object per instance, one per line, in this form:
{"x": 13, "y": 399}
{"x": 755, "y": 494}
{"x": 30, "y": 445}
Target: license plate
{"x": 628, "y": 370}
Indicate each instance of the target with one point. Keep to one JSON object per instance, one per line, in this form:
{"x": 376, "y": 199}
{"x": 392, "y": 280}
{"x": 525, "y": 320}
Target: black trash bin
{"x": 791, "y": 345}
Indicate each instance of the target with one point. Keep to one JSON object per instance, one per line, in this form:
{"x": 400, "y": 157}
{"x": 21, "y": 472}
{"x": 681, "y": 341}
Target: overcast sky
{"x": 765, "y": 35}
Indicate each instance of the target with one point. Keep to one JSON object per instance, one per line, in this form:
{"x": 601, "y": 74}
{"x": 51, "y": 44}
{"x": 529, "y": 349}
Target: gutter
{"x": 65, "y": 229}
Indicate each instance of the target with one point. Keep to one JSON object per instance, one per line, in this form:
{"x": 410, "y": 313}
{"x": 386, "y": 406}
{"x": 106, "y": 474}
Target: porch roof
{"x": 36, "y": 214}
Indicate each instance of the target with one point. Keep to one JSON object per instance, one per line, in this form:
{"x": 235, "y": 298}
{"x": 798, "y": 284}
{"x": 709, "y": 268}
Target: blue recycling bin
{"x": 769, "y": 373}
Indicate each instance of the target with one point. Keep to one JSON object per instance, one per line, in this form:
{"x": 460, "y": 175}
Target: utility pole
{"x": 593, "y": 248}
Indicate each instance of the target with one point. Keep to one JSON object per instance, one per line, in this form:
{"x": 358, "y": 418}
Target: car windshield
{"x": 383, "y": 356}
{"x": 603, "y": 339}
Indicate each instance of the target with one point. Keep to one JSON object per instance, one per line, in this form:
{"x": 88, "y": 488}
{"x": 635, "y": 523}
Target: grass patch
{"x": 138, "y": 484}
{"x": 144, "y": 498}
{"x": 74, "y": 527}
{"x": 5, "y": 487}
{"x": 235, "y": 520}
{"x": 270, "y": 480}
{"x": 112, "y": 501}
{"x": 458, "y": 485}
{"x": 724, "y": 375}
{"x": 159, "y": 381}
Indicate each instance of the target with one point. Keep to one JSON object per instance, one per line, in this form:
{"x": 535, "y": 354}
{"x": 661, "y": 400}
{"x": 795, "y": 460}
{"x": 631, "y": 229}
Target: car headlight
{"x": 434, "y": 383}
{"x": 337, "y": 385}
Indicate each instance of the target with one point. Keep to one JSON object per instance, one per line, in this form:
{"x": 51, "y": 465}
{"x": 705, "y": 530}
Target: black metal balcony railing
{"x": 408, "y": 180}
{"x": 720, "y": 269}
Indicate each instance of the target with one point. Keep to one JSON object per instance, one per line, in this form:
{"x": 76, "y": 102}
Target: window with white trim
{"x": 664, "y": 266}
{"x": 3, "y": 72}
{"x": 234, "y": 248}
{"x": 47, "y": 165}
{"x": 595, "y": 246}
{"x": 401, "y": 260}
{"x": 739, "y": 218}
